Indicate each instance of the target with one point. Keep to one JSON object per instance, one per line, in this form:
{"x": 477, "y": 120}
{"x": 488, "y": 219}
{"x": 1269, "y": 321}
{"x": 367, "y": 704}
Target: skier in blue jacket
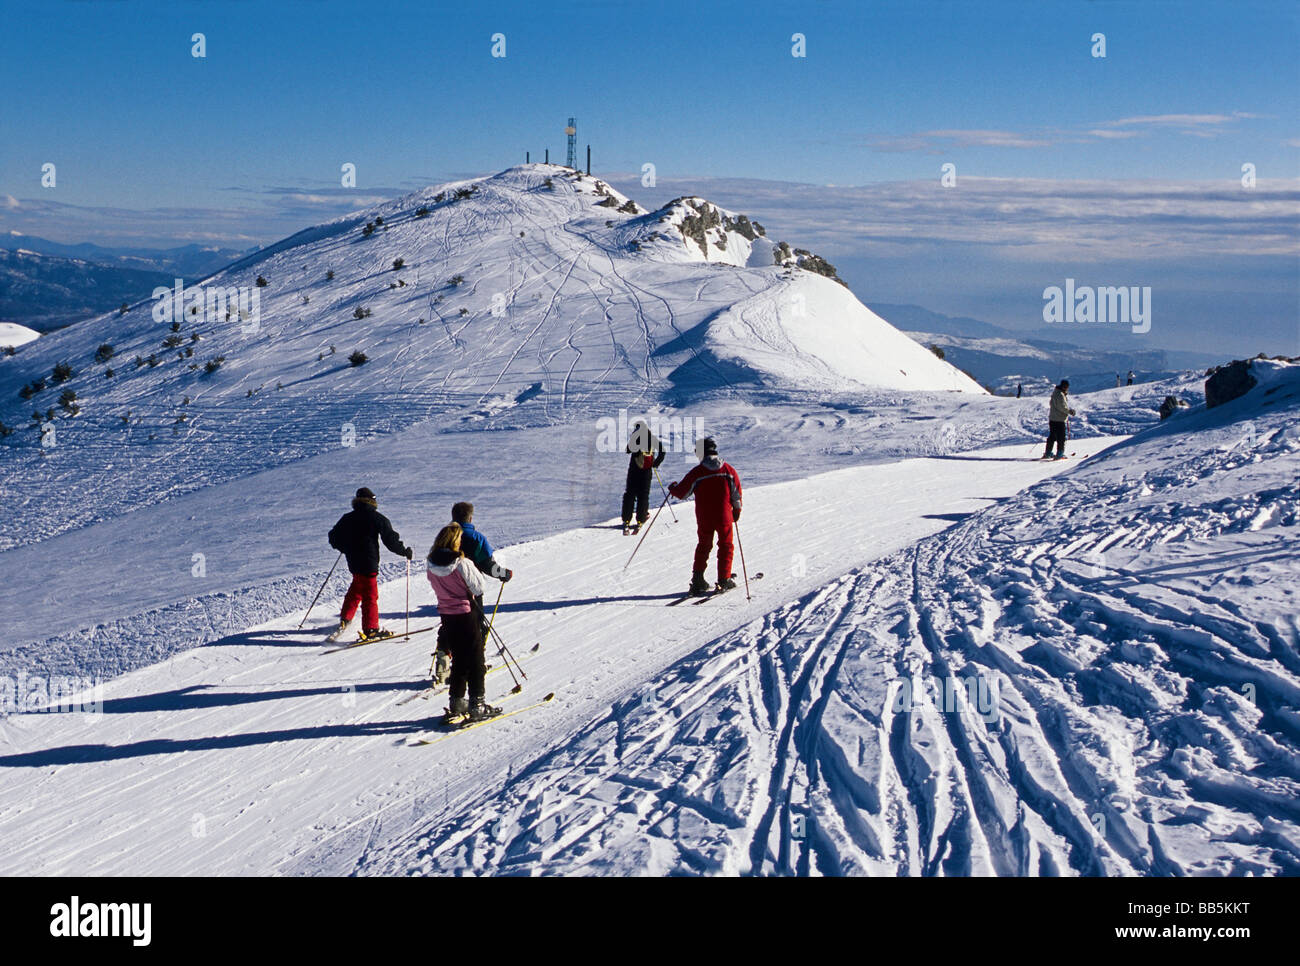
{"x": 476, "y": 548}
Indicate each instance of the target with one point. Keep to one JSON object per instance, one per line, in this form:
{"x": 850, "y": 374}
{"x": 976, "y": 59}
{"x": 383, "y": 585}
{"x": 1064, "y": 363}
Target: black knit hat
{"x": 710, "y": 446}
{"x": 365, "y": 494}
{"x": 1065, "y": 383}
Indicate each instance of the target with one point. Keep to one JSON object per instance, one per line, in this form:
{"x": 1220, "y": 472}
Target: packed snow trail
{"x": 257, "y": 754}
{"x": 1099, "y": 676}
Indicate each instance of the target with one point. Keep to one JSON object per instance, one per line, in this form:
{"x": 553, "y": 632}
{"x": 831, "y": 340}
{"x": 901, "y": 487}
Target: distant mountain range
{"x": 46, "y": 285}
{"x": 1002, "y": 358}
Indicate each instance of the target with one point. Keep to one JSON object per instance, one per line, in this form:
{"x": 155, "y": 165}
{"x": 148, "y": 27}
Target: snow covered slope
{"x": 257, "y": 754}
{"x": 1100, "y": 676}
{"x": 537, "y": 285}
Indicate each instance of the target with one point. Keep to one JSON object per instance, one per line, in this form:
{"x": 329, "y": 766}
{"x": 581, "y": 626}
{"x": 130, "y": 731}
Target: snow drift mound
{"x": 13, "y": 335}
{"x": 806, "y": 330}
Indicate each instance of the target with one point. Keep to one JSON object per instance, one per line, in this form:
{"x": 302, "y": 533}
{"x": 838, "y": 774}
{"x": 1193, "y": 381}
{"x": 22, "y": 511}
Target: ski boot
{"x": 377, "y": 634}
{"x": 636, "y": 527}
{"x": 699, "y": 586}
{"x": 441, "y": 667}
{"x": 458, "y": 713}
{"x": 726, "y": 583}
{"x": 338, "y": 632}
{"x": 627, "y": 527}
{"x": 479, "y": 711}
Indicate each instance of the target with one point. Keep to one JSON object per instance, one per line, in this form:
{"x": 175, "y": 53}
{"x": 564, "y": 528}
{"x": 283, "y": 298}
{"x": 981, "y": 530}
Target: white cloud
{"x": 1036, "y": 218}
{"x": 937, "y": 141}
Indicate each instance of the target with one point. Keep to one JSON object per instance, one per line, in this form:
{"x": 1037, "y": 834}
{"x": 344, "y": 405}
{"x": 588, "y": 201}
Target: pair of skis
{"x": 375, "y": 640}
{"x": 450, "y": 731}
{"x": 705, "y": 597}
{"x": 434, "y": 689}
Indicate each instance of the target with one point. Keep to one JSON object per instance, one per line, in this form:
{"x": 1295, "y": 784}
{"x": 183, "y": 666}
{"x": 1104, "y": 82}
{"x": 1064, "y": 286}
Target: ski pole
{"x": 646, "y": 530}
{"x": 507, "y": 657}
{"x": 408, "y": 597}
{"x": 321, "y": 591}
{"x": 501, "y": 591}
{"x": 741, "y": 547}
{"x": 665, "y": 491}
{"x": 502, "y": 650}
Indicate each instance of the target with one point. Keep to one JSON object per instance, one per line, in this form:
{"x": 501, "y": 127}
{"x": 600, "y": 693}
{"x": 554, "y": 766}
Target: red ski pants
{"x": 706, "y": 529}
{"x": 364, "y": 591}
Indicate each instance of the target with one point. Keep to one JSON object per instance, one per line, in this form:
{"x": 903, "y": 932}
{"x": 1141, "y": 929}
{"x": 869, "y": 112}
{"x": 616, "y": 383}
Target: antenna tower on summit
{"x": 572, "y": 132}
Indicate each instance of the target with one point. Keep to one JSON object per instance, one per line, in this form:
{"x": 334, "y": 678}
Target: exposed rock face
{"x": 1168, "y": 407}
{"x": 1226, "y": 383}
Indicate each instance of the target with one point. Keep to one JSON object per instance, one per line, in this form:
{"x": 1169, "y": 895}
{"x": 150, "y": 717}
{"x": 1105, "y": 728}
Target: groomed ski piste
{"x": 959, "y": 661}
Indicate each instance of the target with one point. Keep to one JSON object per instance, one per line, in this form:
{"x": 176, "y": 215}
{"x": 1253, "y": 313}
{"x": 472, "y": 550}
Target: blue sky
{"x": 153, "y": 145}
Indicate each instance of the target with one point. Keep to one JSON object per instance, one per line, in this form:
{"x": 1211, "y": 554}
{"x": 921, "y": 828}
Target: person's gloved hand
{"x": 506, "y": 575}
{"x": 410, "y": 554}
{"x": 735, "y": 514}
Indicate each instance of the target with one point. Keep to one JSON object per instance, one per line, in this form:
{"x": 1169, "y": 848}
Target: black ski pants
{"x": 1056, "y": 434}
{"x": 462, "y": 635}
{"x": 637, "y": 494}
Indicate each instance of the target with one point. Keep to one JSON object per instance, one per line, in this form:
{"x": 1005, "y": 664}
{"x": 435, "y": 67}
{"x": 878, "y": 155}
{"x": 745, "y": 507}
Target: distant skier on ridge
{"x": 1058, "y": 412}
{"x": 716, "y": 486}
{"x": 356, "y": 536}
{"x": 640, "y": 469}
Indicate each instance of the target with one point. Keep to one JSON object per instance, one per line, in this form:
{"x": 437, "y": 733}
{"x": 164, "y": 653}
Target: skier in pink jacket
{"x": 456, "y": 582}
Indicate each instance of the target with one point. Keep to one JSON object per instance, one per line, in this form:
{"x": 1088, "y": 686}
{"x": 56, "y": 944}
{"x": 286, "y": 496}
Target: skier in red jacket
{"x": 717, "y": 506}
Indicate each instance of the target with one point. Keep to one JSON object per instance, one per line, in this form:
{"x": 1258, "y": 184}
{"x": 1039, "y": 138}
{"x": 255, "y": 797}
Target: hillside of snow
{"x": 257, "y": 753}
{"x": 1099, "y": 676}
{"x": 968, "y": 663}
{"x": 538, "y": 292}
{"x": 958, "y": 660}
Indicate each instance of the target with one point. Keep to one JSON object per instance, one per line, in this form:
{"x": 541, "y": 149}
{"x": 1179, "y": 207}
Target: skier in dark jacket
{"x": 357, "y": 536}
{"x": 647, "y": 453}
{"x": 1058, "y": 413}
{"x": 717, "y": 506}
